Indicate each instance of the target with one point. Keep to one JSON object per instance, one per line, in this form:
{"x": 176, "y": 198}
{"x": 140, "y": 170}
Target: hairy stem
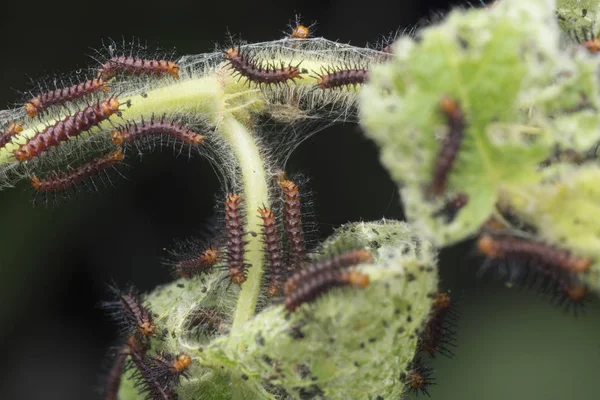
{"x": 255, "y": 195}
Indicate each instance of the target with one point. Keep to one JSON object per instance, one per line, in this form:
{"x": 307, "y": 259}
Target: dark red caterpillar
{"x": 134, "y": 318}
{"x": 292, "y": 223}
{"x": 336, "y": 78}
{"x": 451, "y": 145}
{"x": 69, "y": 127}
{"x": 196, "y": 265}
{"x": 137, "y": 66}
{"x": 341, "y": 261}
{"x": 63, "y": 180}
{"x": 452, "y": 206}
{"x": 419, "y": 377}
{"x": 146, "y": 380}
{"x": 506, "y": 247}
{"x": 245, "y": 66}
{"x": 165, "y": 369}
{"x": 438, "y": 335}
{"x": 527, "y": 260}
{"x": 273, "y": 250}
{"x": 62, "y": 95}
{"x": 313, "y": 285}
{"x": 113, "y": 381}
{"x": 234, "y": 227}
{"x": 133, "y": 132}
{"x": 11, "y": 130}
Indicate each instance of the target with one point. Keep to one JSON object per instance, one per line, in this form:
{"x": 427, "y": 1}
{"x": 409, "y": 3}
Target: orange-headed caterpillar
{"x": 165, "y": 369}
{"x": 134, "y": 318}
{"x": 193, "y": 265}
{"x": 300, "y": 32}
{"x": 528, "y": 260}
{"x": 332, "y": 78}
{"x": 57, "y": 181}
{"x": 450, "y": 146}
{"x": 340, "y": 261}
{"x": 292, "y": 222}
{"x": 272, "y": 245}
{"x": 234, "y": 228}
{"x": 507, "y": 248}
{"x": 258, "y": 73}
{"x": 438, "y": 335}
{"x": 158, "y": 127}
{"x": 11, "y": 130}
{"x": 71, "y": 126}
{"x": 137, "y": 66}
{"x": 62, "y": 95}
{"x": 145, "y": 378}
{"x": 419, "y": 377}
{"x": 317, "y": 283}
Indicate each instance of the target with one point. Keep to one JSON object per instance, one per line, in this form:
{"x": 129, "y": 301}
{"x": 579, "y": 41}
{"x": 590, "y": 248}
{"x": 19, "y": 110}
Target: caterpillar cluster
{"x": 531, "y": 262}
{"x": 156, "y": 376}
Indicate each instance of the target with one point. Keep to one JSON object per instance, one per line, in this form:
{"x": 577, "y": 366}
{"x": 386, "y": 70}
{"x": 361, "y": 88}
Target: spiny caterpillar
{"x": 134, "y": 131}
{"x": 63, "y": 180}
{"x": 11, "y": 130}
{"x": 527, "y": 259}
{"x": 165, "y": 369}
{"x": 438, "y": 335}
{"x": 134, "y": 318}
{"x": 331, "y": 78}
{"x": 138, "y": 66}
{"x": 62, "y": 95}
{"x": 340, "y": 261}
{"x": 195, "y": 265}
{"x": 450, "y": 146}
{"x": 272, "y": 246}
{"x": 71, "y": 126}
{"x": 506, "y": 247}
{"x": 234, "y": 227}
{"x": 145, "y": 379}
{"x": 292, "y": 223}
{"x": 419, "y": 378}
{"x": 246, "y": 66}
{"x": 314, "y": 285}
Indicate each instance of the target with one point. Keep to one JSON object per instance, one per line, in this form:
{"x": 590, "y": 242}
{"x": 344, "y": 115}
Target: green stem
{"x": 256, "y": 195}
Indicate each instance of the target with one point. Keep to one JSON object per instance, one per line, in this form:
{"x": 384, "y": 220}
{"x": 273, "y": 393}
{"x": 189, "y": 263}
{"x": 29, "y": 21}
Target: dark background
{"x": 55, "y": 262}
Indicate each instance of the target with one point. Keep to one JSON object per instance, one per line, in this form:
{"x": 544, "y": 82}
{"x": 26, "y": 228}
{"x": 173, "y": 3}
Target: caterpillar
{"x": 528, "y": 260}
{"x": 62, "y": 95}
{"x": 336, "y": 78}
{"x": 196, "y": 265}
{"x": 246, "y": 66}
{"x": 341, "y": 261}
{"x": 272, "y": 246}
{"x": 438, "y": 335}
{"x": 452, "y": 206}
{"x": 314, "y": 285}
{"x": 165, "y": 369}
{"x": 11, "y": 130}
{"x": 63, "y": 130}
{"x": 419, "y": 377}
{"x": 133, "y": 132}
{"x": 146, "y": 380}
{"x": 63, "y": 180}
{"x": 134, "y": 318}
{"x": 300, "y": 32}
{"x": 137, "y": 66}
{"x": 292, "y": 222}
{"x": 450, "y": 146}
{"x": 506, "y": 247}
{"x": 234, "y": 227}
